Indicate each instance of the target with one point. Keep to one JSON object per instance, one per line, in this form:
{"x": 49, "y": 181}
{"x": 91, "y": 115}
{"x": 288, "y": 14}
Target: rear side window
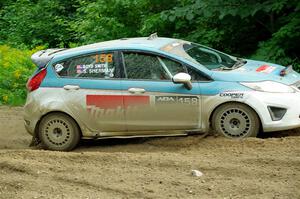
{"x": 100, "y": 65}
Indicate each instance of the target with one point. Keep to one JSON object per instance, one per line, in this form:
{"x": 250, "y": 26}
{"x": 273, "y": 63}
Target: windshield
{"x": 208, "y": 57}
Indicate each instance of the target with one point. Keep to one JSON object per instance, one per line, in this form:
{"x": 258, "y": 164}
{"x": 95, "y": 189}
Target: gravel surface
{"x": 266, "y": 167}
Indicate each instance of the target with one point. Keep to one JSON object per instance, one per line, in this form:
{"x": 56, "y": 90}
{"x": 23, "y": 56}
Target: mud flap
{"x": 34, "y": 142}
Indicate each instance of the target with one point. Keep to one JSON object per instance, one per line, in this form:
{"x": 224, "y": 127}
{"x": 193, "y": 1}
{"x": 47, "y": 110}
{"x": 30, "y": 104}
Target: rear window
{"x": 100, "y": 65}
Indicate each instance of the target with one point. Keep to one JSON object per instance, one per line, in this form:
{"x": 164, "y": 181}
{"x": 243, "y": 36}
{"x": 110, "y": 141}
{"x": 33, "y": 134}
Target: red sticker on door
{"x": 116, "y": 101}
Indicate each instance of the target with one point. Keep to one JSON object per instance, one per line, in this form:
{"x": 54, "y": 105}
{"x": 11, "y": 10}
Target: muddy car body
{"x": 152, "y": 87}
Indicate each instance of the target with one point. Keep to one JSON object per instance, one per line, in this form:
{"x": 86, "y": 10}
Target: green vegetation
{"x": 259, "y": 29}
{"x": 16, "y": 67}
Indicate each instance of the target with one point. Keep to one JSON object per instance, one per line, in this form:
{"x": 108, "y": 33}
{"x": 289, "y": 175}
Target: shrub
{"x": 15, "y": 69}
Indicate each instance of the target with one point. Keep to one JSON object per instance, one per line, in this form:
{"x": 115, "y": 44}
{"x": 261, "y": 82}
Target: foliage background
{"x": 260, "y": 29}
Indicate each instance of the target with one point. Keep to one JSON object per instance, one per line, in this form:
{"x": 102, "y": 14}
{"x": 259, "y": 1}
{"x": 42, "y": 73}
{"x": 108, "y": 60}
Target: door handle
{"x": 136, "y": 90}
{"x": 71, "y": 87}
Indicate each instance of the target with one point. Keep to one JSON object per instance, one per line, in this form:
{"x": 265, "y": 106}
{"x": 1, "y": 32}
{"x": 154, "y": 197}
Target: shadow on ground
{"x": 185, "y": 140}
{"x": 280, "y": 134}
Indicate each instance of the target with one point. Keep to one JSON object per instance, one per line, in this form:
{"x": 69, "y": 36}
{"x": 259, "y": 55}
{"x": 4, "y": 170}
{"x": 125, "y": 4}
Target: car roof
{"x": 152, "y": 43}
{"x": 139, "y": 43}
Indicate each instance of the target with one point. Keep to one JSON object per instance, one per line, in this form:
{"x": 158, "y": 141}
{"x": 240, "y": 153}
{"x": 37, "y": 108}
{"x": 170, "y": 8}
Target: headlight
{"x": 296, "y": 86}
{"x": 269, "y": 86}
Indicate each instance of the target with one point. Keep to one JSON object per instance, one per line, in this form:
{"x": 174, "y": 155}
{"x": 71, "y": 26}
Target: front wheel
{"x": 235, "y": 120}
{"x": 58, "y": 132}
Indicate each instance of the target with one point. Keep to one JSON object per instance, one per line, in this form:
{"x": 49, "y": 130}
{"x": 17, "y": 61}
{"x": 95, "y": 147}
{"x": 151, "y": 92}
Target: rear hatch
{"x": 40, "y": 59}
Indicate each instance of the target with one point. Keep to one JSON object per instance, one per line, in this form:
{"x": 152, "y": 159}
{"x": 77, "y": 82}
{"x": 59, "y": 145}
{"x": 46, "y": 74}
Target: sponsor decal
{"x": 115, "y": 101}
{"x": 105, "y": 101}
{"x": 100, "y": 63}
{"x": 189, "y": 100}
{"x": 96, "y": 112}
{"x": 175, "y": 44}
{"x": 265, "y": 69}
{"x": 232, "y": 95}
{"x": 114, "y": 105}
{"x": 103, "y": 58}
{"x": 94, "y": 69}
{"x": 58, "y": 67}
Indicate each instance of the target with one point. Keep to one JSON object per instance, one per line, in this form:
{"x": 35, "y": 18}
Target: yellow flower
{"x": 17, "y": 74}
{"x": 5, "y": 98}
{"x": 6, "y": 64}
{"x": 38, "y": 48}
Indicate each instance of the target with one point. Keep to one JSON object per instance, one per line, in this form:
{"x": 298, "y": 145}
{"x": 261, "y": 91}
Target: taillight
{"x": 35, "y": 82}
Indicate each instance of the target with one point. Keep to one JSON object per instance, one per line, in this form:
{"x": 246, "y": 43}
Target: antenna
{"x": 152, "y": 36}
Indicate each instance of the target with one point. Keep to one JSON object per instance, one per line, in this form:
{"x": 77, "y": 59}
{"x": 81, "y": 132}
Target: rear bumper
{"x": 30, "y": 121}
{"x": 32, "y": 112}
{"x": 29, "y": 129}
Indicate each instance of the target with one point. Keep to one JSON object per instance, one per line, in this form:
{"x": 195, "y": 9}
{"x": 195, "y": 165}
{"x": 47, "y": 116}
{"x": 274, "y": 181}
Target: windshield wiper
{"x": 239, "y": 63}
{"x": 223, "y": 68}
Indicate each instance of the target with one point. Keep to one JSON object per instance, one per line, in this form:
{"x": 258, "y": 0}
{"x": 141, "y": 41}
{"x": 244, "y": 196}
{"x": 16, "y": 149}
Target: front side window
{"x": 172, "y": 67}
{"x": 101, "y": 65}
{"x": 144, "y": 66}
{"x": 152, "y": 67}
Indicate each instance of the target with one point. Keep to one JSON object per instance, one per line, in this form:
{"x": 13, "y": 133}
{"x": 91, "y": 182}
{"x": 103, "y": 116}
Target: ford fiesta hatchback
{"x": 155, "y": 87}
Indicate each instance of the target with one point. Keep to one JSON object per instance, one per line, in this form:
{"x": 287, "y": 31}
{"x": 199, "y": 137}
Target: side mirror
{"x": 183, "y": 78}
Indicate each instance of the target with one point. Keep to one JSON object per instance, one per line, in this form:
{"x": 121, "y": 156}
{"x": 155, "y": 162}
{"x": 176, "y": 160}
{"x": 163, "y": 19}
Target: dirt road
{"x": 149, "y": 168}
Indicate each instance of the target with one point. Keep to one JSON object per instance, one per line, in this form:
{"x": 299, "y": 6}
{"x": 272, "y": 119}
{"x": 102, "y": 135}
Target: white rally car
{"x": 154, "y": 87}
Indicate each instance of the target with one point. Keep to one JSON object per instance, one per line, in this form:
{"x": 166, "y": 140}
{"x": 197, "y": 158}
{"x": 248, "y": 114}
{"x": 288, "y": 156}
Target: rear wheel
{"x": 235, "y": 120}
{"x": 59, "y": 132}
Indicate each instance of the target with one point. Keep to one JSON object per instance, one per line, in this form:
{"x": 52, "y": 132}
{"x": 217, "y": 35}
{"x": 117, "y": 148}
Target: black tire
{"x": 59, "y": 132}
{"x": 234, "y": 120}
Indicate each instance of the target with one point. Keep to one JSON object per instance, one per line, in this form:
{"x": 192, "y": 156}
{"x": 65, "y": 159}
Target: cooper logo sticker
{"x": 232, "y": 95}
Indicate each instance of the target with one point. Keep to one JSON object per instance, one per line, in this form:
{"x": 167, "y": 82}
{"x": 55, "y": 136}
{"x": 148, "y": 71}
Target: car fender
{"x": 211, "y": 103}
{"x": 60, "y": 106}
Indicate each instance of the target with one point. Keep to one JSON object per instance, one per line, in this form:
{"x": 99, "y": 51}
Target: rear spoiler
{"x": 41, "y": 58}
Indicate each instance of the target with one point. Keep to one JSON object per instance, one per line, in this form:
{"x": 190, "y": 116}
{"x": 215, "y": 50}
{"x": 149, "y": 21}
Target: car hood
{"x": 258, "y": 71}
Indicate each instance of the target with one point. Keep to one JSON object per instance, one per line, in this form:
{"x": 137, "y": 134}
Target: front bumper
{"x": 260, "y": 101}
